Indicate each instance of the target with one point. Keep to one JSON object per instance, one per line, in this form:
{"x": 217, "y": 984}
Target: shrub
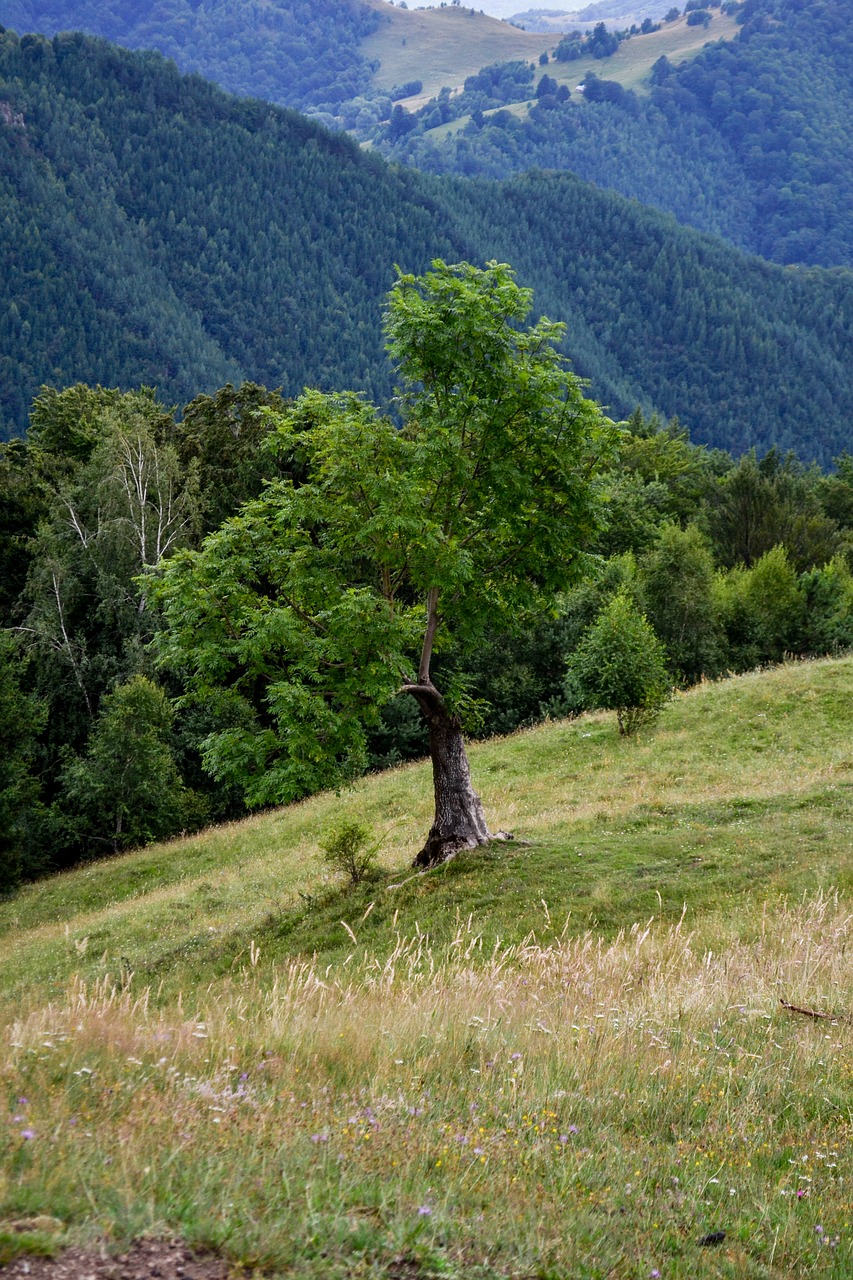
{"x": 829, "y": 607}
{"x": 347, "y": 850}
{"x": 126, "y": 790}
{"x": 762, "y": 610}
{"x": 620, "y": 665}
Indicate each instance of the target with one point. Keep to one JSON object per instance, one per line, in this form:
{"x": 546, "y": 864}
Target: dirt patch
{"x": 145, "y": 1260}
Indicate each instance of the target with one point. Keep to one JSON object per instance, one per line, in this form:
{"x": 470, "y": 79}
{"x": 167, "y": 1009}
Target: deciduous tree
{"x": 620, "y": 665}
{"x": 324, "y": 599}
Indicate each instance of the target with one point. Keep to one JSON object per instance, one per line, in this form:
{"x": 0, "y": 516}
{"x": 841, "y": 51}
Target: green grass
{"x": 745, "y": 788}
{"x": 572, "y": 1052}
{"x": 632, "y": 62}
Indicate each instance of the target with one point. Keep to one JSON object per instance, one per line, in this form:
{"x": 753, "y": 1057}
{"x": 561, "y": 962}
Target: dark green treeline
{"x": 293, "y": 52}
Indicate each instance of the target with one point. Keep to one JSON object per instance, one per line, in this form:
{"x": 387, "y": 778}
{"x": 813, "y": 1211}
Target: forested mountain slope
{"x": 159, "y": 231}
{"x": 296, "y": 53}
{"x": 162, "y": 232}
{"x": 749, "y": 139}
{"x": 293, "y": 52}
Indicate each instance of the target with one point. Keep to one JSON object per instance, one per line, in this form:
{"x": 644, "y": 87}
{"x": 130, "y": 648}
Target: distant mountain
{"x": 750, "y": 138}
{"x": 619, "y": 14}
{"x": 309, "y": 54}
{"x": 157, "y": 231}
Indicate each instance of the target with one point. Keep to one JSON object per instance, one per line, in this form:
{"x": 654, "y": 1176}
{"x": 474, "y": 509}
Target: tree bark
{"x": 460, "y": 822}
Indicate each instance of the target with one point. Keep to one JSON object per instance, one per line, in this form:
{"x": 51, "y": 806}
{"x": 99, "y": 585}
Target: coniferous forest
{"x": 159, "y": 232}
{"x": 297, "y": 53}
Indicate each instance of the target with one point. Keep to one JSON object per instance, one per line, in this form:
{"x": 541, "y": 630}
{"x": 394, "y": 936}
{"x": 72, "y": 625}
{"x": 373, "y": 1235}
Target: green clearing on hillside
{"x": 632, "y": 62}
{"x": 443, "y": 46}
{"x": 744, "y": 791}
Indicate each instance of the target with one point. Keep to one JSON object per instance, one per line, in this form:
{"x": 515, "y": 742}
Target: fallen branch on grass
{"x": 808, "y": 1013}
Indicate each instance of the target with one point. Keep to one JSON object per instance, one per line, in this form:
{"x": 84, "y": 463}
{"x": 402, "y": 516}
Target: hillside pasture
{"x": 629, "y": 66}
{"x": 622, "y": 1049}
{"x": 443, "y": 46}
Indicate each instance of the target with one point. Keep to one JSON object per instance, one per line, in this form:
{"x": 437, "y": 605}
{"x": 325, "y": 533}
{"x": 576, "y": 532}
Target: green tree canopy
{"x": 620, "y": 665}
{"x": 323, "y": 599}
{"x": 126, "y": 790}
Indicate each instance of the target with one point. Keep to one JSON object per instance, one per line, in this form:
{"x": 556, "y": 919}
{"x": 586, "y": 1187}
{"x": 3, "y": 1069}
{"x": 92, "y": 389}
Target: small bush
{"x": 620, "y": 665}
{"x": 348, "y": 850}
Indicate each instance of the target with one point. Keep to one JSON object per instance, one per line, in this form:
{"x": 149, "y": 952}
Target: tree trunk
{"x": 459, "y": 822}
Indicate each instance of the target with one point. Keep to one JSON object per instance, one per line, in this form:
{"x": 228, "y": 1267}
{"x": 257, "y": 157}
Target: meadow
{"x": 630, "y": 66}
{"x": 443, "y": 46}
{"x": 617, "y": 1046}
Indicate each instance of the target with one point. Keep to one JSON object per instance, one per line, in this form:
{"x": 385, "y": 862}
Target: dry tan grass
{"x": 443, "y": 46}
{"x": 653, "y": 1078}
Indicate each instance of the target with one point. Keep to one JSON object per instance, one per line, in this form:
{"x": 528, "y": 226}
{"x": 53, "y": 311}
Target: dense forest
{"x": 748, "y": 140}
{"x": 297, "y": 53}
{"x": 159, "y": 232}
{"x": 734, "y": 563}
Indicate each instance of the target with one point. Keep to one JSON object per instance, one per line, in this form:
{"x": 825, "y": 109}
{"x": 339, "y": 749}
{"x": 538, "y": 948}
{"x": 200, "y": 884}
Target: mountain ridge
{"x": 264, "y": 245}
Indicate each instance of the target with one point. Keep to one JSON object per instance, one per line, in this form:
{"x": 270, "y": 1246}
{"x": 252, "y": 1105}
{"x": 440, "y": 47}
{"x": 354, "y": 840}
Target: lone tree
{"x": 331, "y": 592}
{"x": 620, "y": 665}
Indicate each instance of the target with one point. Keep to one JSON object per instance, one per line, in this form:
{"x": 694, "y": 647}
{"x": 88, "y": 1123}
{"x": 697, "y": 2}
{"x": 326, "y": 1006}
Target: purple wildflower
{"x": 425, "y": 1211}
{"x": 28, "y": 1133}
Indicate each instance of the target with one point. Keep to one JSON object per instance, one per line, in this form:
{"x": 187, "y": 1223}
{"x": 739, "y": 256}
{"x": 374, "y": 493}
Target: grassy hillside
{"x": 632, "y": 62}
{"x": 629, "y": 66}
{"x": 567, "y": 1057}
{"x": 442, "y": 46}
